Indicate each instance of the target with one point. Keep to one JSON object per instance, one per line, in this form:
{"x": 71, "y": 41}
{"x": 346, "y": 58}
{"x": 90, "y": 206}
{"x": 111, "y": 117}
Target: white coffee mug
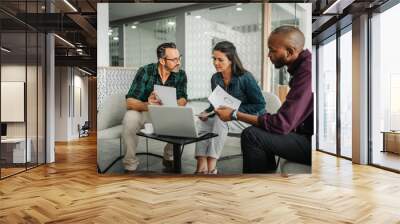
{"x": 148, "y": 127}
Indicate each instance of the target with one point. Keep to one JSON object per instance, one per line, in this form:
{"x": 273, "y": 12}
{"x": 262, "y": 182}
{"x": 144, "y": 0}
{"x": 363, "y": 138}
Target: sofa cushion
{"x": 113, "y": 132}
{"x": 112, "y": 112}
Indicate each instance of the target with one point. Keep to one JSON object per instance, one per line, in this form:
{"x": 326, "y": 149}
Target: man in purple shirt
{"x": 287, "y": 133}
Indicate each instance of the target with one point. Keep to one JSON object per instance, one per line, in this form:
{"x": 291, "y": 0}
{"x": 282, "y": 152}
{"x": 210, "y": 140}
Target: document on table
{"x": 166, "y": 94}
{"x": 219, "y": 97}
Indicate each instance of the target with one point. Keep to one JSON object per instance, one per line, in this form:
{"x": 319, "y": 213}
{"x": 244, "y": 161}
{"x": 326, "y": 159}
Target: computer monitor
{"x": 3, "y": 129}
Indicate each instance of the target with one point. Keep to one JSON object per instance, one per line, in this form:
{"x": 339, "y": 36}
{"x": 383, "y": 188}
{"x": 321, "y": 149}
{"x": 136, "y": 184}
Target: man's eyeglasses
{"x": 175, "y": 60}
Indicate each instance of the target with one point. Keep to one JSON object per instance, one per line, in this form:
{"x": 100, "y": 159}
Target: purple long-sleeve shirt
{"x": 296, "y": 113}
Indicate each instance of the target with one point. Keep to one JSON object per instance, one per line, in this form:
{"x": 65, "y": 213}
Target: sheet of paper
{"x": 219, "y": 97}
{"x": 166, "y": 94}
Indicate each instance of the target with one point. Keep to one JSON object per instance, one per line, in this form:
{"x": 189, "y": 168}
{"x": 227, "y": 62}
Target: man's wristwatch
{"x": 234, "y": 115}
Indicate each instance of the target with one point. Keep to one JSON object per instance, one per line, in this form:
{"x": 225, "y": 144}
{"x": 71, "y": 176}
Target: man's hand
{"x": 203, "y": 116}
{"x": 224, "y": 113}
{"x": 153, "y": 100}
{"x": 182, "y": 102}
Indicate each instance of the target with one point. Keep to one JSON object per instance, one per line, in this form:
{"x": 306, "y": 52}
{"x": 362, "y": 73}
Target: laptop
{"x": 174, "y": 121}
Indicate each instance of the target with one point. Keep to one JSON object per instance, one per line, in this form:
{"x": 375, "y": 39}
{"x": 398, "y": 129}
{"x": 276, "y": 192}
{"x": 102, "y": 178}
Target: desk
{"x": 178, "y": 145}
{"x": 16, "y": 148}
{"x": 391, "y": 141}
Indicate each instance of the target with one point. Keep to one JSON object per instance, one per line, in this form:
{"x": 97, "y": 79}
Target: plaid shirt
{"x": 243, "y": 88}
{"x": 147, "y": 76}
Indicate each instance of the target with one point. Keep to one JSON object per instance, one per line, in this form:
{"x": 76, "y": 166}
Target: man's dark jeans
{"x": 260, "y": 147}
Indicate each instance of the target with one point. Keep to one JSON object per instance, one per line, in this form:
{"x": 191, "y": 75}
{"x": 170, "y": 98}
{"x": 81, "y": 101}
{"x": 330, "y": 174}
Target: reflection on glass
{"x": 346, "y": 94}
{"x": 385, "y": 85}
{"x": 13, "y": 83}
{"x": 142, "y": 39}
{"x": 23, "y": 91}
{"x": 295, "y": 14}
{"x": 114, "y": 39}
{"x": 206, "y": 27}
{"x": 327, "y": 96}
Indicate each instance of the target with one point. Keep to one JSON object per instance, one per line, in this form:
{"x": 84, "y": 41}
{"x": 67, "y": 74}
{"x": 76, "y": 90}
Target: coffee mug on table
{"x": 148, "y": 128}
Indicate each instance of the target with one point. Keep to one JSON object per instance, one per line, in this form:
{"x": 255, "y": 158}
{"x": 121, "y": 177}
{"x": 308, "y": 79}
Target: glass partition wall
{"x": 136, "y": 41}
{"x": 294, "y": 14}
{"x": 22, "y": 77}
{"x": 327, "y": 96}
{"x": 385, "y": 89}
{"x": 334, "y": 94}
{"x": 240, "y": 23}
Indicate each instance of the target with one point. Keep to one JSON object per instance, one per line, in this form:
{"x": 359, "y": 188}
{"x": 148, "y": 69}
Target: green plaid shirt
{"x": 147, "y": 76}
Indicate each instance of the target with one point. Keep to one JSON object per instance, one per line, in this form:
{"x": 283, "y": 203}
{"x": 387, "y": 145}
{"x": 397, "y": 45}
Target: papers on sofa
{"x": 219, "y": 97}
{"x": 166, "y": 94}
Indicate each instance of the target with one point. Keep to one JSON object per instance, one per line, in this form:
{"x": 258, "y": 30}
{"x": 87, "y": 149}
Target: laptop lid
{"x": 173, "y": 121}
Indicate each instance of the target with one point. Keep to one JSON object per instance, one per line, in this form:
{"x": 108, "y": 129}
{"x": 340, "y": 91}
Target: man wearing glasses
{"x": 165, "y": 72}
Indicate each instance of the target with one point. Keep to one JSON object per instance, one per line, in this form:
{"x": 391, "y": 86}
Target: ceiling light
{"x": 239, "y": 9}
{"x": 64, "y": 40}
{"x": 109, "y": 34}
{"x": 171, "y": 23}
{"x": 115, "y": 38}
{"x": 86, "y": 72}
{"x": 238, "y": 4}
{"x": 135, "y": 23}
{"x": 70, "y": 5}
{"x": 79, "y": 50}
{"x": 197, "y": 17}
{"x": 5, "y": 50}
{"x": 43, "y": 7}
{"x": 133, "y": 27}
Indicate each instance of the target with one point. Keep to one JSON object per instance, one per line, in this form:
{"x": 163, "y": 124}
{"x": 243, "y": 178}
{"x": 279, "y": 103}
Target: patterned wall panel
{"x": 113, "y": 80}
{"x": 203, "y": 30}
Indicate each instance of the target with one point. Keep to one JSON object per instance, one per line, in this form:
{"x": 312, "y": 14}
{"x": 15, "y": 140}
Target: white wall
{"x": 68, "y": 81}
{"x": 61, "y": 103}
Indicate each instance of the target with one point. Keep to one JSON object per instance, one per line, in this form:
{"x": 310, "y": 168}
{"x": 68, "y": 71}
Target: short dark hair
{"x": 294, "y": 33}
{"x": 161, "y": 49}
{"x": 229, "y": 50}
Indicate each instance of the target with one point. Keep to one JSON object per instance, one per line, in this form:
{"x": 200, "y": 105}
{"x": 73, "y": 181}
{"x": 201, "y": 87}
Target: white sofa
{"x": 109, "y": 140}
{"x": 109, "y": 130}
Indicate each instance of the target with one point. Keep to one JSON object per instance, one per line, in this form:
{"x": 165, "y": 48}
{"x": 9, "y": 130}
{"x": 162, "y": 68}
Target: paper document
{"x": 167, "y": 95}
{"x": 221, "y": 98}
